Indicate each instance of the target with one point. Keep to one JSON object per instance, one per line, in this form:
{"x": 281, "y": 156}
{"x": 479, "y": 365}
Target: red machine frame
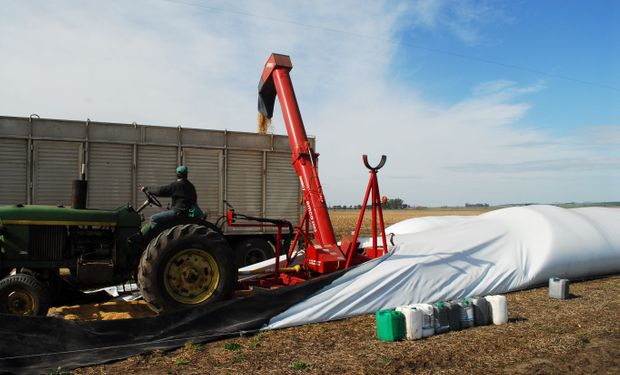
{"x": 323, "y": 254}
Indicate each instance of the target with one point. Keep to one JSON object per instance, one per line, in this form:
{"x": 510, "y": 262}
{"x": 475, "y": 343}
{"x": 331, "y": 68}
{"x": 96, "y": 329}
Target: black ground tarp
{"x": 34, "y": 345}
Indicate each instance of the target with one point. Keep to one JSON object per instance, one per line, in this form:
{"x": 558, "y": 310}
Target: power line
{"x": 412, "y": 45}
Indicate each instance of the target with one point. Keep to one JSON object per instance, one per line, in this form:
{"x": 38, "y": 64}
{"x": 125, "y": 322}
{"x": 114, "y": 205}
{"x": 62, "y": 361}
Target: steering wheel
{"x": 151, "y": 198}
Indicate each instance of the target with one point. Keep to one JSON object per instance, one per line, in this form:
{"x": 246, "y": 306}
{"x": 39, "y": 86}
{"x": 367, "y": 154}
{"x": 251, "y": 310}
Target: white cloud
{"x": 603, "y": 134}
{"x": 506, "y": 89}
{"x": 463, "y": 18}
{"x": 553, "y": 165}
{"x": 169, "y": 63}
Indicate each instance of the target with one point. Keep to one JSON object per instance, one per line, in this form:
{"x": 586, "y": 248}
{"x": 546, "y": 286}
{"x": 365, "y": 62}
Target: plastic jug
{"x": 482, "y": 315}
{"x": 428, "y": 320}
{"x": 466, "y": 314}
{"x": 442, "y": 323}
{"x": 454, "y": 315}
{"x": 390, "y": 325}
{"x": 499, "y": 309}
{"x": 413, "y": 321}
{"x": 558, "y": 288}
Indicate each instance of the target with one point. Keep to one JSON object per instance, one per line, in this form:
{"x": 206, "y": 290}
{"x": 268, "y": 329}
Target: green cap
{"x": 181, "y": 169}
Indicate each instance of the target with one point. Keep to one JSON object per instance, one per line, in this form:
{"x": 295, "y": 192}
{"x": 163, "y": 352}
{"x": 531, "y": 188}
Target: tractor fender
{"x": 179, "y": 220}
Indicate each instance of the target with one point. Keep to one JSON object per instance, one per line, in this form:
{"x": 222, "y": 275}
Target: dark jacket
{"x": 182, "y": 192}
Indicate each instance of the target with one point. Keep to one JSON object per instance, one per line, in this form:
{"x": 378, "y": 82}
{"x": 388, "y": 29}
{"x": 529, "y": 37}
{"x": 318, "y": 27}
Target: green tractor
{"x": 46, "y": 251}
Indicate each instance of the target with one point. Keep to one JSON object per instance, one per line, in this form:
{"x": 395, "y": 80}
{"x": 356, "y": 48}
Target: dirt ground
{"x": 543, "y": 336}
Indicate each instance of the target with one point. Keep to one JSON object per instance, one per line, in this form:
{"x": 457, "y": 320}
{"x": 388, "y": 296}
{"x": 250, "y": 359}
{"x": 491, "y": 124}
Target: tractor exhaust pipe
{"x": 80, "y": 191}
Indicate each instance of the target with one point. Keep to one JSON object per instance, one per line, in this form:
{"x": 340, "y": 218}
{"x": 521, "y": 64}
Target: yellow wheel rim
{"x": 20, "y": 302}
{"x": 191, "y": 276}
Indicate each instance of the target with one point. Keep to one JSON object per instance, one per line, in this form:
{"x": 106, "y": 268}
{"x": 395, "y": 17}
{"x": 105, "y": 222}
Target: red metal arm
{"x": 276, "y": 80}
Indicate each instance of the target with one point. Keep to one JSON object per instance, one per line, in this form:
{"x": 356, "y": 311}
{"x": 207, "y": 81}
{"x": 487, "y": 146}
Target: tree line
{"x": 388, "y": 204}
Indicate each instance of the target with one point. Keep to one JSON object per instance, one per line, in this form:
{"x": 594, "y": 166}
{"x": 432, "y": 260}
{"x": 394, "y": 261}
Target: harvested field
{"x": 344, "y": 220}
{"x": 580, "y": 335}
{"x": 543, "y": 336}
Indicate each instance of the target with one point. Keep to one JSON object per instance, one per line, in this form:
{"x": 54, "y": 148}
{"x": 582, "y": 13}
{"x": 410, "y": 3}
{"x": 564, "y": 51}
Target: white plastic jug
{"x": 558, "y": 288}
{"x": 498, "y": 308}
{"x": 428, "y": 318}
{"x": 413, "y": 321}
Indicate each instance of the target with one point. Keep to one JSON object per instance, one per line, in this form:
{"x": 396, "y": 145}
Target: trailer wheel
{"x": 186, "y": 265}
{"x": 22, "y": 294}
{"x": 253, "y": 250}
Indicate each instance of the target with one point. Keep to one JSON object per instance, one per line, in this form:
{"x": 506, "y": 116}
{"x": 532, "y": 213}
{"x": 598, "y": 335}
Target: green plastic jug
{"x": 390, "y": 325}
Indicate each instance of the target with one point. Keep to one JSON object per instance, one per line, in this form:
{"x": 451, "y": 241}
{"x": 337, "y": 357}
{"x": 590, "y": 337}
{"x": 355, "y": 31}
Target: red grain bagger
{"x": 323, "y": 254}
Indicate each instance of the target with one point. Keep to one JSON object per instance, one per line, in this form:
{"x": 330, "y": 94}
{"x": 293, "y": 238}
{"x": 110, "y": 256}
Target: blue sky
{"x": 565, "y": 42}
{"x": 472, "y": 101}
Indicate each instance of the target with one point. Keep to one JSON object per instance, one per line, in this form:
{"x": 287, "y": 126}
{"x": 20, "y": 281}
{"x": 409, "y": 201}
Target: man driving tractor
{"x": 183, "y": 194}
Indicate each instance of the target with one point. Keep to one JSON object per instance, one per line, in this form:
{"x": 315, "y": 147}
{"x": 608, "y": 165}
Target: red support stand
{"x": 372, "y": 191}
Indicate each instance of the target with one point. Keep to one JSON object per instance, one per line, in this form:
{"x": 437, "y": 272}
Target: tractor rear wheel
{"x": 186, "y": 265}
{"x": 23, "y": 294}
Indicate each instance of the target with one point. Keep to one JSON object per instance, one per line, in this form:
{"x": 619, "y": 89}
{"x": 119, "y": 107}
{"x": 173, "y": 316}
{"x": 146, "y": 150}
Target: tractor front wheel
{"x": 186, "y": 265}
{"x": 23, "y": 294}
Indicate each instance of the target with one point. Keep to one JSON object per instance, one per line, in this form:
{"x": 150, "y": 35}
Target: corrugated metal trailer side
{"x": 252, "y": 172}
{"x": 56, "y": 164}
{"x": 244, "y": 181}
{"x": 14, "y": 170}
{"x": 282, "y": 187}
{"x": 109, "y": 164}
{"x": 206, "y": 168}
{"x": 156, "y": 165}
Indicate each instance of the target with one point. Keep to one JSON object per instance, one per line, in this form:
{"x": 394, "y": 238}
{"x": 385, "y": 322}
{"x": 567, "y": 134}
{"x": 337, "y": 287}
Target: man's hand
{"x": 142, "y": 188}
